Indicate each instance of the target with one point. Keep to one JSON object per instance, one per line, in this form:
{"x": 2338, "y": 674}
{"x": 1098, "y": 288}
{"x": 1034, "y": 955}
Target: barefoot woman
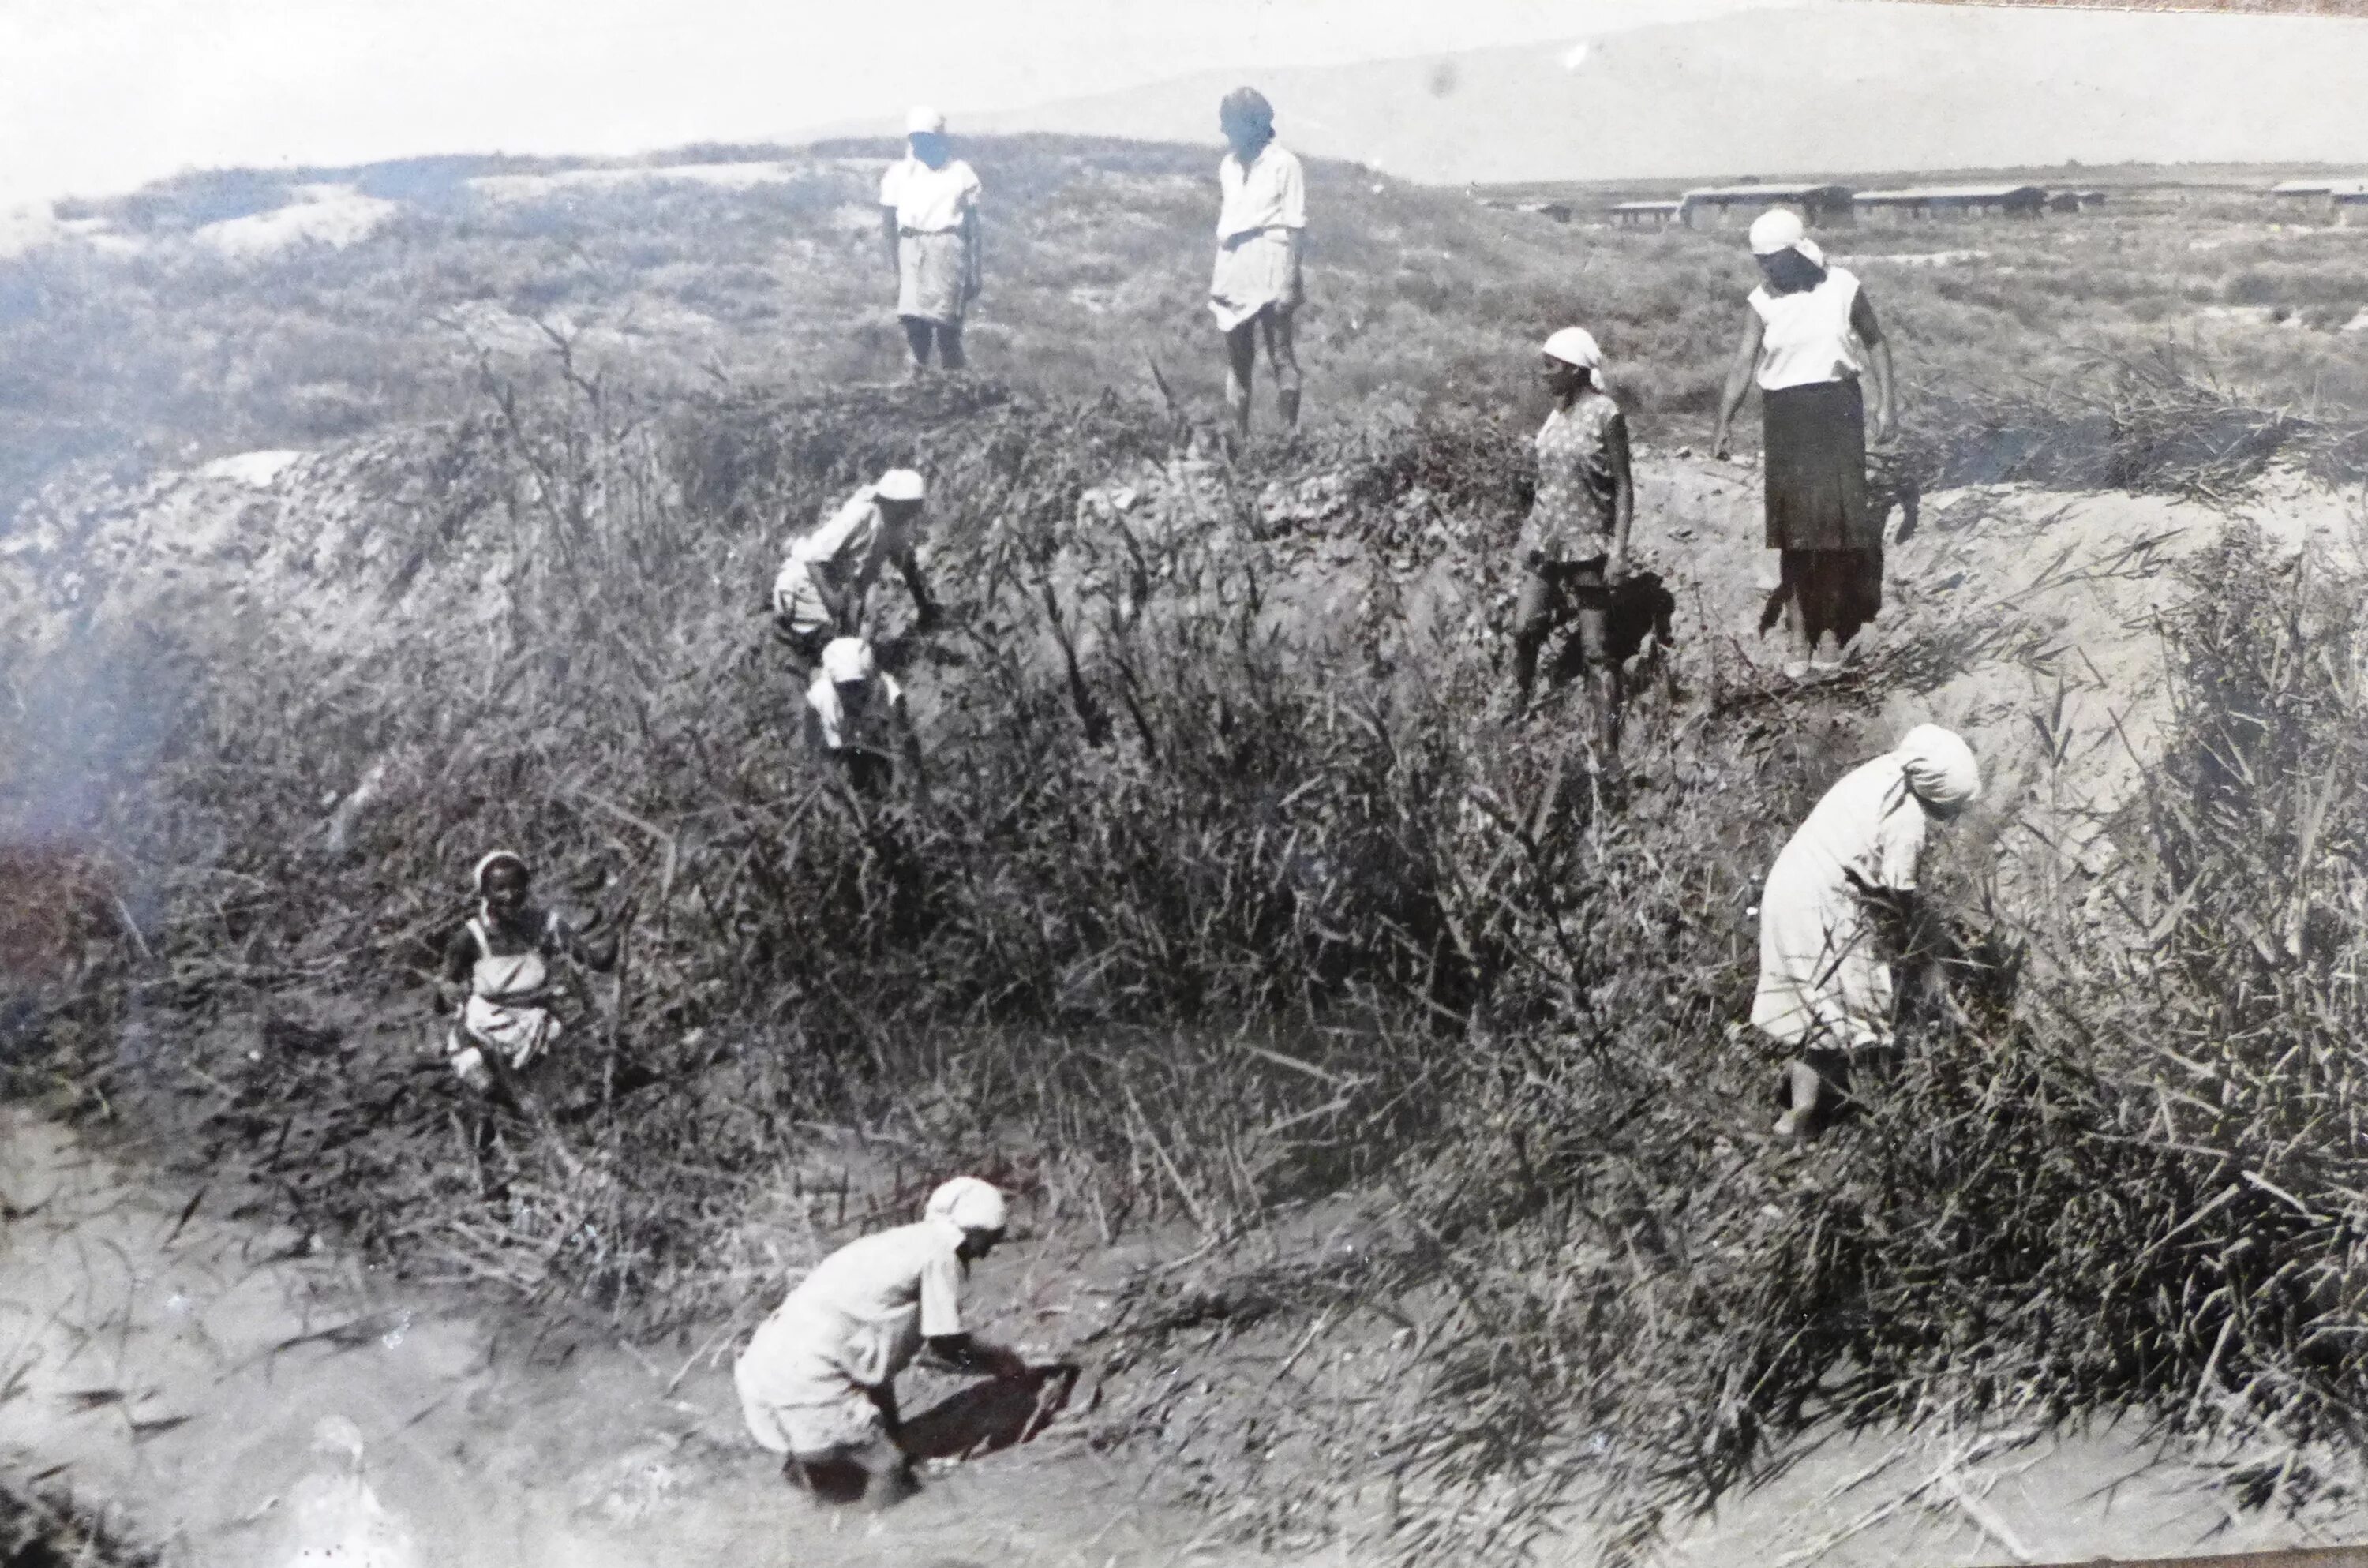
{"x": 1840, "y": 906}
{"x": 1809, "y": 336}
{"x": 1575, "y": 546}
{"x": 929, "y": 207}
{"x": 1256, "y": 287}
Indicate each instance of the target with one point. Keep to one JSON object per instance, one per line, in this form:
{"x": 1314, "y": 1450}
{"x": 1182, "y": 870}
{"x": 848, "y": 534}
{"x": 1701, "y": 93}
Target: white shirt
{"x": 1272, "y": 193}
{"x": 1806, "y": 338}
{"x": 861, "y": 1314}
{"x": 928, "y": 200}
{"x": 829, "y": 714}
{"x": 850, "y": 541}
{"x": 1823, "y": 970}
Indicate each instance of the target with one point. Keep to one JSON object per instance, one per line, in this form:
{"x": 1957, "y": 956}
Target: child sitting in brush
{"x": 501, "y": 957}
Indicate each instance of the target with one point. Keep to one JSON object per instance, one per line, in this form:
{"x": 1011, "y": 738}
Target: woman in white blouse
{"x": 1809, "y": 336}
{"x": 928, "y": 211}
{"x": 1257, "y": 284}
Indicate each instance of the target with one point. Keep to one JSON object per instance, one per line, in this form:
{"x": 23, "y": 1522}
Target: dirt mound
{"x": 328, "y": 544}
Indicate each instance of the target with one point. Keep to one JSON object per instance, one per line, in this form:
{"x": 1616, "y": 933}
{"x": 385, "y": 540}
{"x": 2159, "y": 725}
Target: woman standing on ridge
{"x": 1257, "y": 284}
{"x": 928, "y": 214}
{"x": 1575, "y": 546}
{"x": 1808, "y": 336}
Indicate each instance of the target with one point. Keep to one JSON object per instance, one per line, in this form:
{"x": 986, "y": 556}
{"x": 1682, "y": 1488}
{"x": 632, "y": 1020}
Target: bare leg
{"x": 1282, "y": 359}
{"x": 1241, "y": 360}
{"x": 917, "y": 337}
{"x": 889, "y": 1474}
{"x": 1603, "y": 682}
{"x": 1820, "y": 1080}
{"x": 1532, "y": 618}
{"x": 1807, "y": 1088}
{"x": 950, "y": 347}
{"x": 1799, "y": 637}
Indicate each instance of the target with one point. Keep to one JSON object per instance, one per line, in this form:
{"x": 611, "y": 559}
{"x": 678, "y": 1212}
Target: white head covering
{"x": 923, "y": 120}
{"x": 1940, "y": 768}
{"x": 900, "y": 484}
{"x": 970, "y": 1203}
{"x": 1810, "y": 248}
{"x": 1778, "y": 229}
{"x": 848, "y": 660}
{"x": 1576, "y": 345}
{"x": 477, "y": 877}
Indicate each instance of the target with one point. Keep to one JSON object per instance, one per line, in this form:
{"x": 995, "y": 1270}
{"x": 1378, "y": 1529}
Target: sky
{"x": 101, "y": 96}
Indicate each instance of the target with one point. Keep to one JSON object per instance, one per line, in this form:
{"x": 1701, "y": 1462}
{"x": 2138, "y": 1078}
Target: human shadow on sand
{"x": 981, "y": 1419}
{"x": 987, "y": 1417}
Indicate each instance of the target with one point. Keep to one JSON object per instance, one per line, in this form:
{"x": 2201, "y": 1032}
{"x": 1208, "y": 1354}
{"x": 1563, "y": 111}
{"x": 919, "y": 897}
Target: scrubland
{"x": 1230, "y": 911}
{"x": 135, "y": 333}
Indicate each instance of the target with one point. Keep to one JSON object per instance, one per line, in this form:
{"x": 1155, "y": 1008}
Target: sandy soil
{"x": 176, "y": 1361}
{"x": 333, "y": 215}
{"x": 161, "y": 1351}
{"x": 730, "y": 177}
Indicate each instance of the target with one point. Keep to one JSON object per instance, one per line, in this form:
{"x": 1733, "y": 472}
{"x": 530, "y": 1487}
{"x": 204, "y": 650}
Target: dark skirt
{"x": 1815, "y": 447}
{"x": 1834, "y": 590}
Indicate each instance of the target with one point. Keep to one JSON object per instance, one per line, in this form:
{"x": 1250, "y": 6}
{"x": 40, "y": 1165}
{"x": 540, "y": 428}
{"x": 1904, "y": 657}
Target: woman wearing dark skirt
{"x": 1809, "y": 336}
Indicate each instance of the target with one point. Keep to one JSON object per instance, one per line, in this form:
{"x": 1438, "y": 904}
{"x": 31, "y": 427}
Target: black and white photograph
{"x": 1247, "y": 784}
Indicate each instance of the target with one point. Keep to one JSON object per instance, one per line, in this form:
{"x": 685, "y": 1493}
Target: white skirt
{"x": 1253, "y": 275}
{"x": 930, "y": 272}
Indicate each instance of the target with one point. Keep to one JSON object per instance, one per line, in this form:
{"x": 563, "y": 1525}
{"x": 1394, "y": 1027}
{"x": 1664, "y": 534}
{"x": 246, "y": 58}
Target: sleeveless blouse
{"x": 1806, "y": 338}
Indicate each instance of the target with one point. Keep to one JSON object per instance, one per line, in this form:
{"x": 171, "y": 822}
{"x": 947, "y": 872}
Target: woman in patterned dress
{"x": 1575, "y": 546}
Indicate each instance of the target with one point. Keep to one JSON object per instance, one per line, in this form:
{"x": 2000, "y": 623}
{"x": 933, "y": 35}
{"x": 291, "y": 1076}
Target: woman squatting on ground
{"x": 1257, "y": 287}
{"x": 1808, "y": 337}
{"x": 1575, "y": 545}
{"x": 928, "y": 214}
{"x": 817, "y": 1380}
{"x": 1848, "y": 872}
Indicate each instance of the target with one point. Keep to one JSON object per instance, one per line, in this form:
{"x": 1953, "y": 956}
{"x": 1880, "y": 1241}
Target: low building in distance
{"x": 1953, "y": 200}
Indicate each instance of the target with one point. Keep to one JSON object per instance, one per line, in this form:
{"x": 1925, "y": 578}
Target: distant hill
{"x": 1854, "y": 88}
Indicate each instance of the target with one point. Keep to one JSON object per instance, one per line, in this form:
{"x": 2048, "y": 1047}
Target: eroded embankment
{"x": 2023, "y": 619}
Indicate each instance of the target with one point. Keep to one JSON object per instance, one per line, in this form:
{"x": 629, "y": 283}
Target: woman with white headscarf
{"x": 928, "y": 213}
{"x": 856, "y": 720}
{"x": 501, "y": 963}
{"x": 1809, "y": 336}
{"x": 1825, "y": 958}
{"x": 1574, "y": 547}
{"x": 1255, "y": 288}
{"x": 817, "y": 1380}
{"x": 824, "y": 585}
